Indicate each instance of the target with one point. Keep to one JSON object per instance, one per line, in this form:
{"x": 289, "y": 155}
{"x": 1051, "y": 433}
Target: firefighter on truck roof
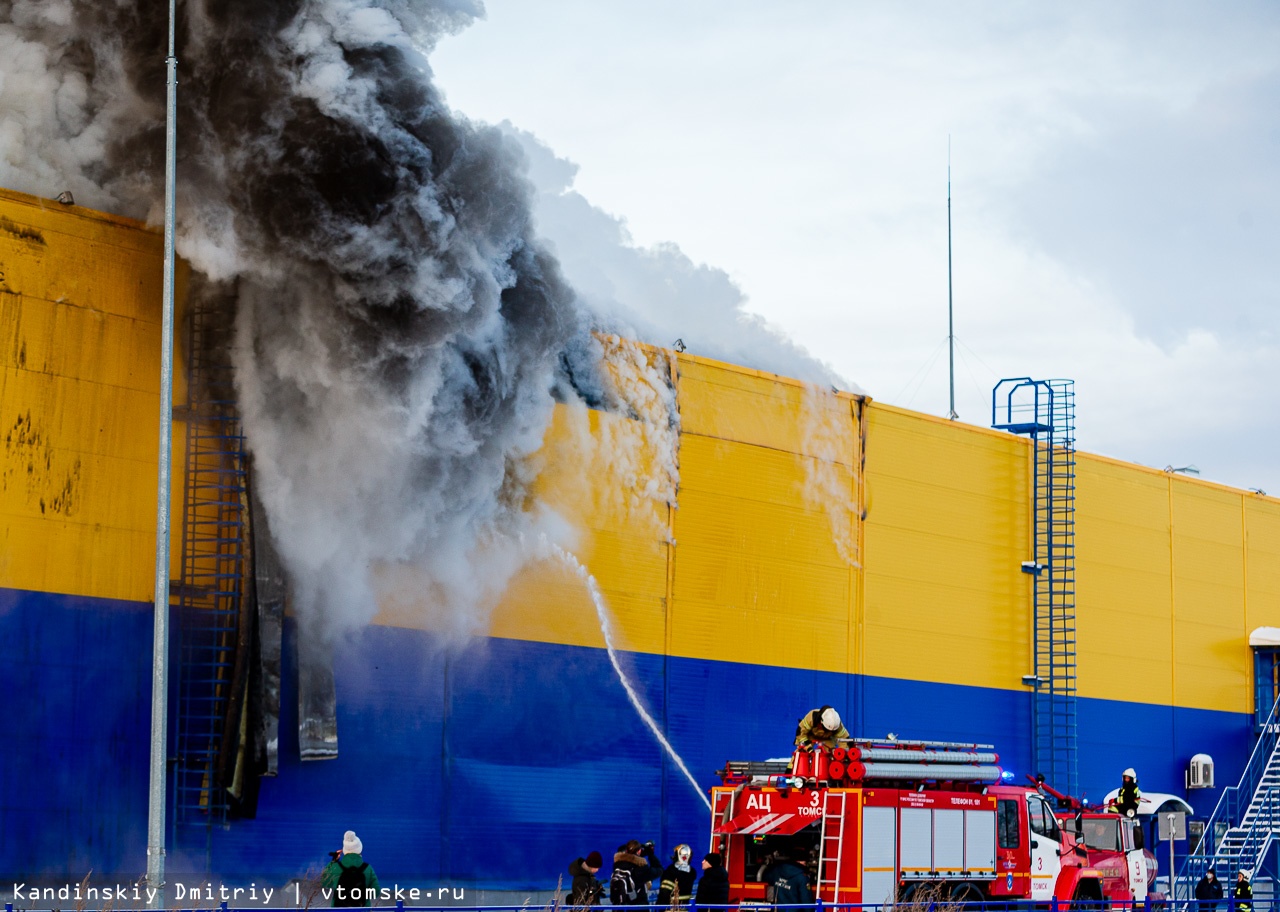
{"x": 1125, "y": 803}
{"x": 821, "y": 726}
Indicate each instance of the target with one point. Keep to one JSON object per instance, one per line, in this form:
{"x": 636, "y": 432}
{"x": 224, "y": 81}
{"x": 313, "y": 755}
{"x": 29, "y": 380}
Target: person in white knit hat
{"x": 349, "y": 880}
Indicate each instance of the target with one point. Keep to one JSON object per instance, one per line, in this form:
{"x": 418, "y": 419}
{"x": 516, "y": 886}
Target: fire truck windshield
{"x": 1102, "y": 834}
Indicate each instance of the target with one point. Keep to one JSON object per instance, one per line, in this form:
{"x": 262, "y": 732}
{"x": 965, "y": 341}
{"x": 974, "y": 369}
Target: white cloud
{"x": 1116, "y": 179}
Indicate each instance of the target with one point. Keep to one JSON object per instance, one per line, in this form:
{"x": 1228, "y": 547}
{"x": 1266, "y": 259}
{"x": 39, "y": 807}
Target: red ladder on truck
{"x": 829, "y": 853}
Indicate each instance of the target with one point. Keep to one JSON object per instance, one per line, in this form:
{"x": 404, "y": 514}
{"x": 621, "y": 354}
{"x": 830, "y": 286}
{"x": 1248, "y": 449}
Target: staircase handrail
{"x": 1259, "y": 835}
{"x": 1249, "y": 780}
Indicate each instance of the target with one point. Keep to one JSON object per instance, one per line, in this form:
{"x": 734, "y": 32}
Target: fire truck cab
{"x": 879, "y": 821}
{"x": 1114, "y": 846}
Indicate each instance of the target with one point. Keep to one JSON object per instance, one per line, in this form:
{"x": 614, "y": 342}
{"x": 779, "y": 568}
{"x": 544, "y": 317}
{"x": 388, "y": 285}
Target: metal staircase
{"x": 1244, "y": 826}
{"x": 1045, "y": 410}
{"x": 213, "y": 573}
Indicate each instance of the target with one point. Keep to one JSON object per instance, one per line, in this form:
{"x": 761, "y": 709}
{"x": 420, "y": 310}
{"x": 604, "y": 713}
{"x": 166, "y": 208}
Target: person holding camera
{"x": 348, "y": 878}
{"x": 635, "y": 865}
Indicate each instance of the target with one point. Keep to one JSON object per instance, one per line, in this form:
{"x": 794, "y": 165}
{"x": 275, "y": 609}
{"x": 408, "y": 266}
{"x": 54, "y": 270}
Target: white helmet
{"x": 829, "y": 718}
{"x": 682, "y": 854}
{"x": 1131, "y": 774}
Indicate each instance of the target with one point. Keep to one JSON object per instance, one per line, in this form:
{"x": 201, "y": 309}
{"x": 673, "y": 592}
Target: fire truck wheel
{"x": 1088, "y": 895}
{"x": 966, "y": 893}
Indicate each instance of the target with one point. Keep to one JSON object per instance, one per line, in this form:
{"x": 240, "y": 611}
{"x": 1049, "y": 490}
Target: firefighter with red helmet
{"x": 821, "y": 726}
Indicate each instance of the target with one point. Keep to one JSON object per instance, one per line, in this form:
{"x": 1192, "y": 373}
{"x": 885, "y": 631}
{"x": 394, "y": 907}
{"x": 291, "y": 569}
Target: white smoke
{"x": 655, "y": 294}
{"x": 832, "y": 465}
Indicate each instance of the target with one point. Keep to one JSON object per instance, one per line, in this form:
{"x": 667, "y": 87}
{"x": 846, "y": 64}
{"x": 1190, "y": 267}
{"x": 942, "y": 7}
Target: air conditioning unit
{"x": 1200, "y": 772}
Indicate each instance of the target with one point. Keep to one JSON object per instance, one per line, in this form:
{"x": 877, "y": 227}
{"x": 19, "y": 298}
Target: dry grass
{"x": 929, "y": 897}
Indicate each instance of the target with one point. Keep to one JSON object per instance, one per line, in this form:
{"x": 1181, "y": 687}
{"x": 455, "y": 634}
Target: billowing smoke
{"x": 398, "y": 328}
{"x": 400, "y": 333}
{"x": 655, "y": 294}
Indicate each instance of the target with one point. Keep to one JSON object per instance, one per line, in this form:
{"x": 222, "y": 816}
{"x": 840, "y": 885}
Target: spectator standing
{"x": 586, "y": 889}
{"x": 349, "y": 879}
{"x": 1209, "y": 891}
{"x": 713, "y": 888}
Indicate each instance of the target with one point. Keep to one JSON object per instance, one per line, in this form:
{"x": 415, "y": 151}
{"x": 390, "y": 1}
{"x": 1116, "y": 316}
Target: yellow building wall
{"x": 1262, "y": 561}
{"x": 1123, "y": 582}
{"x": 80, "y": 301}
{"x": 947, "y": 528}
{"x": 752, "y": 551}
{"x": 759, "y": 556}
{"x": 759, "y": 572}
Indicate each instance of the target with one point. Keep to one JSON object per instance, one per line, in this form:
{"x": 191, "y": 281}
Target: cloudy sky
{"x": 1115, "y": 176}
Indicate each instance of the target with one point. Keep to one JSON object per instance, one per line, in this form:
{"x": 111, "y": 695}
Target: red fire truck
{"x": 877, "y": 821}
{"x": 1114, "y": 846}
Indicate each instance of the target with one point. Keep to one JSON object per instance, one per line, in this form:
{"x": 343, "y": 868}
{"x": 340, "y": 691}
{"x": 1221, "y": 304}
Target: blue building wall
{"x": 493, "y": 765}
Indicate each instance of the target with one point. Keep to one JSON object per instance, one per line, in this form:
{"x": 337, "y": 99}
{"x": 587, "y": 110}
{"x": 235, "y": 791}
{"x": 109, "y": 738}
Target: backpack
{"x": 622, "y": 887}
{"x": 350, "y": 888}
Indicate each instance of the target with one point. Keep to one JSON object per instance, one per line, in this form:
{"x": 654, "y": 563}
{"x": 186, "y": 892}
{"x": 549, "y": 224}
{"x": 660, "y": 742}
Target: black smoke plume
{"x": 398, "y": 327}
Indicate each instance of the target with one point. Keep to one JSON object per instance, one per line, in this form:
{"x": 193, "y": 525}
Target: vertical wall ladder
{"x": 1045, "y": 411}
{"x": 213, "y": 571}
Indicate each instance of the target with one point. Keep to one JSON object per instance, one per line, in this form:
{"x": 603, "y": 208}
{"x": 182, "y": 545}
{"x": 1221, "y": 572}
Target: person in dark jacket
{"x": 586, "y": 890}
{"x": 1243, "y": 893}
{"x": 786, "y": 883}
{"x": 713, "y": 888}
{"x": 634, "y": 866}
{"x": 676, "y": 888}
{"x": 349, "y": 879}
{"x": 1127, "y": 800}
{"x": 1209, "y": 891}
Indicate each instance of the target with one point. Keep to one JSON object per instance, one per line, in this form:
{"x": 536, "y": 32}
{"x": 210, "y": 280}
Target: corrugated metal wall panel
{"x": 1262, "y": 563}
{"x": 1123, "y": 568}
{"x": 79, "y": 373}
{"x": 1210, "y": 649}
{"x": 733, "y": 403}
{"x": 946, "y": 532}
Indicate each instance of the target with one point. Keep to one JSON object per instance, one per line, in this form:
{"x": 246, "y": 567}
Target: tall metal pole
{"x": 951, "y": 331}
{"x": 160, "y": 643}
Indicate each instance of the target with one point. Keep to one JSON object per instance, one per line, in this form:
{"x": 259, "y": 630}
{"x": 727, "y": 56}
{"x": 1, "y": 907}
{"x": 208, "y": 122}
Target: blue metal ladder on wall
{"x": 213, "y": 572}
{"x": 1045, "y": 410}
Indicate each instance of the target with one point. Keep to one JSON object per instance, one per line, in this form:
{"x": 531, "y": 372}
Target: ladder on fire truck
{"x": 1045, "y": 410}
{"x": 829, "y": 854}
{"x": 1245, "y": 826}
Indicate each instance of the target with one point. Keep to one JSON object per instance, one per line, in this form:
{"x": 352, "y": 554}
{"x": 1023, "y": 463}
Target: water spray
{"x": 602, "y": 612}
